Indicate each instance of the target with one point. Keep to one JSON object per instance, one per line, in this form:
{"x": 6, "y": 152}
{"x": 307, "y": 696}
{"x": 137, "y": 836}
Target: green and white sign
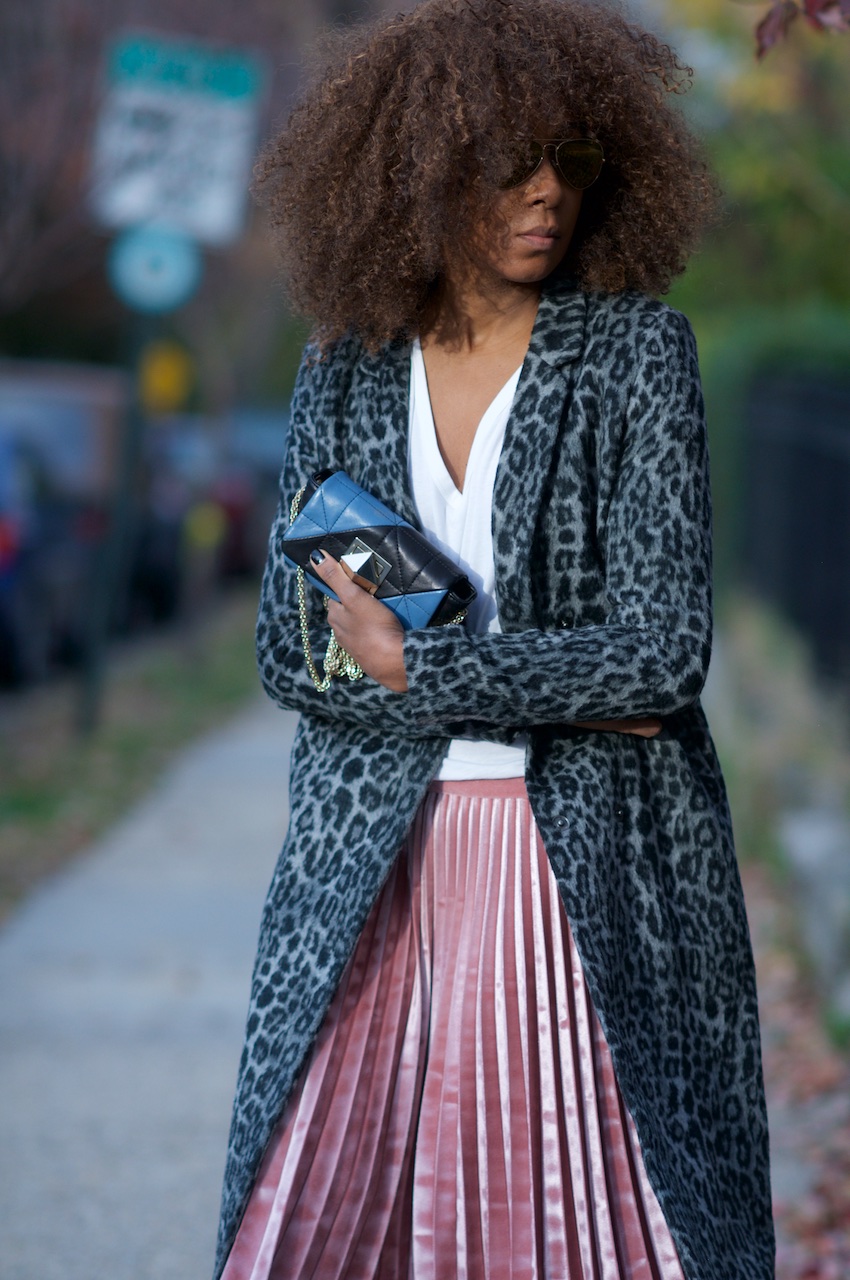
{"x": 175, "y": 137}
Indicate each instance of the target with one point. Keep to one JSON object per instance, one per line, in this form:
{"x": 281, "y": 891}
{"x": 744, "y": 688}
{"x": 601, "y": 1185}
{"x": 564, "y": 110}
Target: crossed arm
{"x": 375, "y": 639}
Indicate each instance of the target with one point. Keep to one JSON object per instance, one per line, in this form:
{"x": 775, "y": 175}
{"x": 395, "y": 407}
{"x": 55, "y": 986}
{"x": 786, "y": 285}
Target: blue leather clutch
{"x": 381, "y": 552}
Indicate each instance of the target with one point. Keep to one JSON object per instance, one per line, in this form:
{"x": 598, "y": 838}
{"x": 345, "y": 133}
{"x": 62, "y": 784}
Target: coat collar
{"x": 557, "y": 341}
{"x": 558, "y": 333}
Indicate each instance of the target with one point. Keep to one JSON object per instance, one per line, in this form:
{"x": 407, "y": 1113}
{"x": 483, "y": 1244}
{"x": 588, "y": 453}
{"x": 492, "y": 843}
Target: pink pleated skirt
{"x": 459, "y": 1117}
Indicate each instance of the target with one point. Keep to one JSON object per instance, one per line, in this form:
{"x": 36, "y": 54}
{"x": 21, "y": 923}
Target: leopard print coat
{"x": 602, "y": 542}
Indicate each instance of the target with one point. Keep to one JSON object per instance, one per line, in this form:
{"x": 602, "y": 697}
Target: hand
{"x": 367, "y": 629}
{"x": 643, "y": 726}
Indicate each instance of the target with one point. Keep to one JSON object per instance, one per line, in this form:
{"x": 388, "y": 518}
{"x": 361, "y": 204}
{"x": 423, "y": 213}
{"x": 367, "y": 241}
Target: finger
{"x": 643, "y": 726}
{"x": 332, "y": 573}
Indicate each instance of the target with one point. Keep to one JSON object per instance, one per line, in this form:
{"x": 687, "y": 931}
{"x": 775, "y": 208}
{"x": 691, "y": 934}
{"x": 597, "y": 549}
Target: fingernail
{"x": 317, "y": 556}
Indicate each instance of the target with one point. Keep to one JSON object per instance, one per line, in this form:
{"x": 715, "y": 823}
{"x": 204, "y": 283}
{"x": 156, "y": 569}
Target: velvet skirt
{"x": 459, "y": 1116}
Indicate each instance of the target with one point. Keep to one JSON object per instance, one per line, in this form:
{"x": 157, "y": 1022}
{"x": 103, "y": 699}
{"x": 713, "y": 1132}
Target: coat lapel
{"x": 384, "y": 429}
{"x": 557, "y": 342}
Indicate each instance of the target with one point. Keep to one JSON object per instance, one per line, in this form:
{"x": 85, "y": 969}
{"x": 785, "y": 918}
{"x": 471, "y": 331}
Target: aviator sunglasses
{"x": 578, "y": 161}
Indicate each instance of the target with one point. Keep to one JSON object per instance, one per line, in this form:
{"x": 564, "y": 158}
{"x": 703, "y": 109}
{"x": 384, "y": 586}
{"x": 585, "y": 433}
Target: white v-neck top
{"x": 460, "y": 524}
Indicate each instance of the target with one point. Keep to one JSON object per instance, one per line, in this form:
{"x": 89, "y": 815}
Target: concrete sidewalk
{"x": 123, "y": 992}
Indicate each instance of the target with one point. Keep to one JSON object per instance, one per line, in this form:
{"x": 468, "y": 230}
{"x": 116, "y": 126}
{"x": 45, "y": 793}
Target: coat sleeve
{"x": 650, "y": 656}
{"x": 311, "y": 445}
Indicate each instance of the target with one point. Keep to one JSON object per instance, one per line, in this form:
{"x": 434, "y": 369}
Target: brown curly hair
{"x": 406, "y": 133}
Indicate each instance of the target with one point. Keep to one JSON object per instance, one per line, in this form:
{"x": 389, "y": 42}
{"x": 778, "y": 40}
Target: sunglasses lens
{"x": 579, "y": 162}
{"x": 524, "y": 158}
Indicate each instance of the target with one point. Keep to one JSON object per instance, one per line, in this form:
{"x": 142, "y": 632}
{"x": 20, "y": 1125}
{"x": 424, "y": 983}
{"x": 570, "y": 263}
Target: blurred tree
{"x": 771, "y": 286}
{"x": 47, "y": 91}
{"x": 779, "y": 135}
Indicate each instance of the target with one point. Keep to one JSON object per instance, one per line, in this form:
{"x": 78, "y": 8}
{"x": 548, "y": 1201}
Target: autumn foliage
{"x": 823, "y": 15}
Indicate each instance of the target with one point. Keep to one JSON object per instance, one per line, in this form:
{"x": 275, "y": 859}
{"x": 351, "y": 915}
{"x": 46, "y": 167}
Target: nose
{"x": 545, "y": 185}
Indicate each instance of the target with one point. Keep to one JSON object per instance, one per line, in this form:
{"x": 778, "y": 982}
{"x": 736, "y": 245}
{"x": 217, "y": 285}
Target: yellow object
{"x": 205, "y": 526}
{"x": 166, "y": 377}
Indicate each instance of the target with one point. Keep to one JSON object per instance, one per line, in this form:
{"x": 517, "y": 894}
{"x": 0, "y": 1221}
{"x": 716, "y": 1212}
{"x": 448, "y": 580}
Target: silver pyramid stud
{"x": 364, "y": 566}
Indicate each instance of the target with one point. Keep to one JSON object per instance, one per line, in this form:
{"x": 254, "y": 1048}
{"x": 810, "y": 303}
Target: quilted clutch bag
{"x": 382, "y": 552}
{"x": 379, "y": 550}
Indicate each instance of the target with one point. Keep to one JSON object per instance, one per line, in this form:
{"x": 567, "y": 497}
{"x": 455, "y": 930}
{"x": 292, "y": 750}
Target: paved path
{"x": 123, "y": 990}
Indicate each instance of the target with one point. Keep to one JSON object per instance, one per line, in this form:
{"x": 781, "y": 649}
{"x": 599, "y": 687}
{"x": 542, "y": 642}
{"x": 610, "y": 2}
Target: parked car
{"x": 48, "y": 542}
{"x": 59, "y": 431}
{"x": 194, "y": 461}
{"x": 203, "y": 505}
{"x": 256, "y": 440}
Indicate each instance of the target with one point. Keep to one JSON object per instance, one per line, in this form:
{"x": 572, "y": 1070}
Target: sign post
{"x": 171, "y": 165}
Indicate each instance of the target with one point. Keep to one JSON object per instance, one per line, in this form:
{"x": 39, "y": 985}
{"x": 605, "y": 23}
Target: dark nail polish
{"x": 317, "y": 556}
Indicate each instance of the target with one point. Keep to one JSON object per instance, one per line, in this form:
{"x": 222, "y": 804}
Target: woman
{"x": 503, "y": 1020}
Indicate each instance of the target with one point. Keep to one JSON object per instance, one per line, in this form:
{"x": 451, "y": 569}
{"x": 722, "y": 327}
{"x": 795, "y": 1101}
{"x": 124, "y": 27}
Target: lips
{"x": 542, "y": 237}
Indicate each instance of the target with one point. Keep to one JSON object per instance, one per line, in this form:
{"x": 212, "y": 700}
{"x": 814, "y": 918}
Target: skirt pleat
{"x": 459, "y": 1116}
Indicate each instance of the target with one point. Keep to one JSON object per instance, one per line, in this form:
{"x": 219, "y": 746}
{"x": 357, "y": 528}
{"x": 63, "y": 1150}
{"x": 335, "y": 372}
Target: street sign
{"x": 154, "y": 269}
{"x": 175, "y": 137}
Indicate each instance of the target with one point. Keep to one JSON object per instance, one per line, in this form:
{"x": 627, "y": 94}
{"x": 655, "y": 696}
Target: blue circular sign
{"x": 154, "y": 269}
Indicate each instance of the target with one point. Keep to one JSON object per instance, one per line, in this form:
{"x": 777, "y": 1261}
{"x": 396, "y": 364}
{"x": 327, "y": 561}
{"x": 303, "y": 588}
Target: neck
{"x": 468, "y": 314}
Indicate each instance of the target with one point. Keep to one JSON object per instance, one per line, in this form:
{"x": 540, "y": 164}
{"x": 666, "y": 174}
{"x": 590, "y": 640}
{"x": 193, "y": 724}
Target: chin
{"x": 533, "y": 273}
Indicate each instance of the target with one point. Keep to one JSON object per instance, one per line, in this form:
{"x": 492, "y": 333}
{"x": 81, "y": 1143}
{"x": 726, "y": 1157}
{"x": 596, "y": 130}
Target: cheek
{"x": 493, "y": 229}
{"x": 572, "y": 209}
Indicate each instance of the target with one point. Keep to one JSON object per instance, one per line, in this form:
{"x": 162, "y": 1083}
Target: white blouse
{"x": 459, "y": 523}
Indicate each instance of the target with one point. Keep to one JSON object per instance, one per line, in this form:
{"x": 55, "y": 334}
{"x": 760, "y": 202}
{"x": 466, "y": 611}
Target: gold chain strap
{"x": 338, "y": 662}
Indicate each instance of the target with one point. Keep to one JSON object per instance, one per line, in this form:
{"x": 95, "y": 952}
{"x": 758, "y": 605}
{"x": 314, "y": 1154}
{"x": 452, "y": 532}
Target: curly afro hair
{"x": 406, "y": 133}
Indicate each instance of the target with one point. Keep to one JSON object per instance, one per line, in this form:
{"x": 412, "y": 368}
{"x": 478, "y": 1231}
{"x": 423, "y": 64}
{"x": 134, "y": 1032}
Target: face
{"x": 527, "y": 230}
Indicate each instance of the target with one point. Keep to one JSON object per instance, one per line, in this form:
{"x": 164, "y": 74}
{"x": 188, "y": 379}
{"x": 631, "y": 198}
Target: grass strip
{"x": 59, "y": 791}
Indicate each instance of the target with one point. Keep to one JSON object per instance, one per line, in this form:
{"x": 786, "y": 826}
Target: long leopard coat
{"x": 602, "y": 542}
